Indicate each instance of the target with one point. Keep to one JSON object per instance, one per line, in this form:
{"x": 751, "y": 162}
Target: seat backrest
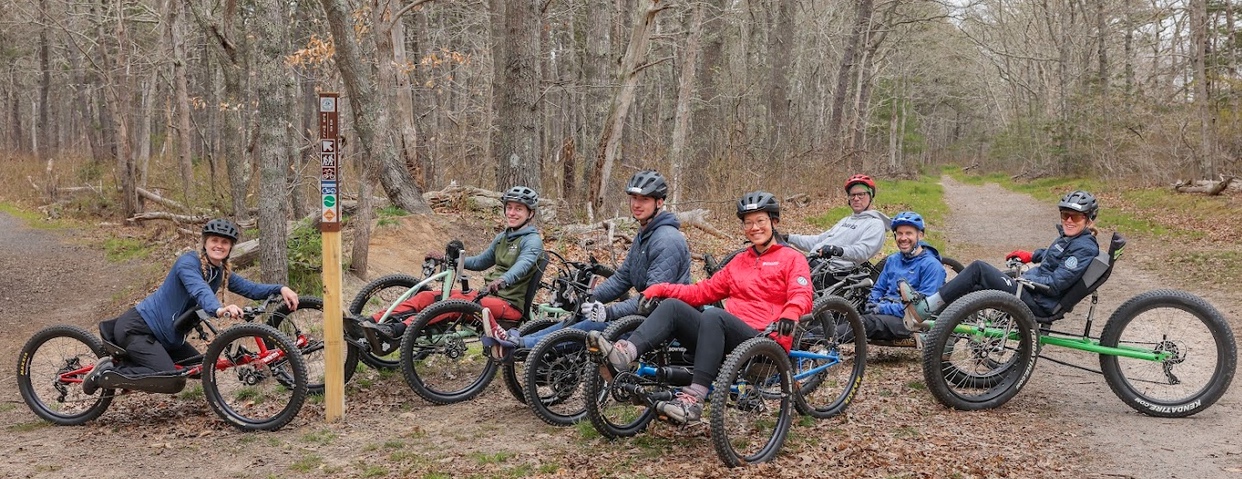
{"x": 533, "y": 286}
{"x": 1096, "y": 274}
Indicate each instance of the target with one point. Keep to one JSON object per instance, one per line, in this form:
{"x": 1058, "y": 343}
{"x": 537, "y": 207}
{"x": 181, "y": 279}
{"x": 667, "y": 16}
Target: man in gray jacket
{"x": 659, "y": 254}
{"x": 854, "y": 239}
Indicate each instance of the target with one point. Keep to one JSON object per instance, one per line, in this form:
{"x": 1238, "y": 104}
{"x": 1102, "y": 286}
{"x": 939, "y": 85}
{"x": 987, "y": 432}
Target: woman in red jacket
{"x": 768, "y": 287}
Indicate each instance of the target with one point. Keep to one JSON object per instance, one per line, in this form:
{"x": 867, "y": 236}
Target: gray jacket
{"x": 861, "y": 235}
{"x": 659, "y": 255}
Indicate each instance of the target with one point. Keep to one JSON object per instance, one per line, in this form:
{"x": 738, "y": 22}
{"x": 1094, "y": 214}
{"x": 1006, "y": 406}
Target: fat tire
{"x": 359, "y": 304}
{"x": 1015, "y": 374}
{"x": 25, "y": 383}
{"x": 293, "y": 363}
{"x": 515, "y": 380}
{"x": 569, "y": 387}
{"x": 725, "y": 398}
{"x": 314, "y": 352}
{"x": 472, "y": 314}
{"x": 825, "y": 314}
{"x": 1225, "y": 346}
{"x": 598, "y": 389}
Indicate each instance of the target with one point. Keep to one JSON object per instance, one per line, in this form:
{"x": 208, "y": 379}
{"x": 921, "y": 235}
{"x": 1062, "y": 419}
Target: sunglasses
{"x": 1073, "y": 216}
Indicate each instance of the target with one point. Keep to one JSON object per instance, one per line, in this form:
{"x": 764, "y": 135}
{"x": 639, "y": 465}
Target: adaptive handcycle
{"x": 253, "y": 376}
{"x": 752, "y": 400}
{"x": 1165, "y": 353}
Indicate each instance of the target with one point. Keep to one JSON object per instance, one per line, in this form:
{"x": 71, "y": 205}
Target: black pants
{"x": 144, "y": 354}
{"x": 876, "y": 326}
{"x": 708, "y": 333}
{"x": 979, "y": 276}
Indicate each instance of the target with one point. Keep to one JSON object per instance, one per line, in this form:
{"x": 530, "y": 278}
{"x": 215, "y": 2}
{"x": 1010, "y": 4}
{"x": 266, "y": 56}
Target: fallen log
{"x": 1208, "y": 187}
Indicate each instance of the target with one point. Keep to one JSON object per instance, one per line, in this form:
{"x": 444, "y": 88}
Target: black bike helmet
{"x": 758, "y": 201}
{"x": 648, "y": 183}
{"x": 222, "y": 228}
{"x": 521, "y": 194}
{"x": 1082, "y": 202}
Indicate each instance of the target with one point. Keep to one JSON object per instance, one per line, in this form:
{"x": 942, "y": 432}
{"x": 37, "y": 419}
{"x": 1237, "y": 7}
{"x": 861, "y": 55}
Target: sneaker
{"x": 91, "y": 383}
{"x": 515, "y": 337}
{"x": 917, "y": 311}
{"x": 618, "y": 357}
{"x": 683, "y": 409}
{"x": 387, "y": 330}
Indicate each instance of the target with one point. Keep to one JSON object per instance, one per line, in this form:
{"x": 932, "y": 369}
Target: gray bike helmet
{"x": 523, "y": 195}
{"x": 648, "y": 183}
{"x": 222, "y": 228}
{"x": 1082, "y": 202}
{"x": 758, "y": 201}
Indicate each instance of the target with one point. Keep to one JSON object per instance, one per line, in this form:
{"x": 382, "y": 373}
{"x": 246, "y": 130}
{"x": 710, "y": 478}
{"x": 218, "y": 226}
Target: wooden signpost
{"x": 330, "y": 227}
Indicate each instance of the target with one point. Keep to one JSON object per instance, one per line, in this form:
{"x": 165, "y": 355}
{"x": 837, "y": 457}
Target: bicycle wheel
{"x": 1001, "y": 347}
{"x": 514, "y": 372}
{"x": 50, "y": 370}
{"x": 555, "y": 373}
{"x": 247, "y": 388}
{"x": 751, "y": 403}
{"x": 1201, "y": 345}
{"x": 831, "y": 371}
{"x": 620, "y": 408}
{"x": 306, "y": 325}
{"x": 444, "y": 361}
{"x": 374, "y": 298}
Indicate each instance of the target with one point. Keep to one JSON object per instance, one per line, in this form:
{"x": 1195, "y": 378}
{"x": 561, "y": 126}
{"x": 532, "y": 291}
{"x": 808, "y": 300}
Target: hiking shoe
{"x": 618, "y": 357}
{"x": 91, "y": 383}
{"x": 515, "y": 337}
{"x": 683, "y": 409}
{"x": 917, "y": 311}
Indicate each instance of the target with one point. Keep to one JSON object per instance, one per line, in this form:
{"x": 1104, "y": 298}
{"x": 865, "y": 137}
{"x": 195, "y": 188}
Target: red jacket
{"x": 760, "y": 288}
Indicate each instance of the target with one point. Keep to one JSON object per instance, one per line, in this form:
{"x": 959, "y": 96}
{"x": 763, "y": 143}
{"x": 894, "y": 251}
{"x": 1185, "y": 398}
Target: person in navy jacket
{"x": 767, "y": 285}
{"x": 146, "y": 331}
{"x": 1060, "y": 265}
{"x": 917, "y": 263}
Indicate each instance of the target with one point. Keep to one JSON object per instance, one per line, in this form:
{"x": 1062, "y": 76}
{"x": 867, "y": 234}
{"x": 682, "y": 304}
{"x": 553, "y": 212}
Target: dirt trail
{"x": 988, "y": 221}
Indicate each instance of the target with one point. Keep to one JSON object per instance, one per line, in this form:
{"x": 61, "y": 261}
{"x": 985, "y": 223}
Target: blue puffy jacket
{"x": 659, "y": 254}
{"x": 1060, "y": 265}
{"x": 923, "y": 271}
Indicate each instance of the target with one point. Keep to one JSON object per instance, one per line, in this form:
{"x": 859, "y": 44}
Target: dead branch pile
{"x": 1208, "y": 187}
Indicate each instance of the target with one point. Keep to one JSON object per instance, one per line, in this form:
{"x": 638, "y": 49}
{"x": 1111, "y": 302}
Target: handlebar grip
{"x": 1038, "y": 287}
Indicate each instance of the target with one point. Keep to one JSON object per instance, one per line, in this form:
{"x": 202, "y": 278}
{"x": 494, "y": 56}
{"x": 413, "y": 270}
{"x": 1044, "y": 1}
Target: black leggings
{"x": 708, "y": 333}
{"x": 979, "y": 276}
{"x": 144, "y": 354}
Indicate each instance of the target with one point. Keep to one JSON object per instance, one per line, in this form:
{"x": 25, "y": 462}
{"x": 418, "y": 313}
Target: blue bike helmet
{"x": 907, "y": 218}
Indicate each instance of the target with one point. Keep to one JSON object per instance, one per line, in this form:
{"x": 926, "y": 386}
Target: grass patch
{"x": 307, "y": 463}
{"x": 322, "y": 436}
{"x": 6, "y": 407}
{"x": 28, "y": 426}
{"x": 587, "y": 431}
{"x": 388, "y": 216}
{"x": 548, "y": 468}
{"x": 192, "y": 393}
{"x": 1212, "y": 266}
{"x": 917, "y": 385}
{"x": 495, "y": 458}
{"x": 372, "y": 470}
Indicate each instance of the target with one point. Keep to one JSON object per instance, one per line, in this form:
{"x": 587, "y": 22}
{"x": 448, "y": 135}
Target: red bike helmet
{"x": 860, "y": 179}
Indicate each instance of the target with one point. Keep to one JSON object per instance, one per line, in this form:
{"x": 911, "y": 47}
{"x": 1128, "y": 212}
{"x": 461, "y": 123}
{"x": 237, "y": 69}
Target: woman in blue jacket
{"x": 1060, "y": 265}
{"x": 146, "y": 331}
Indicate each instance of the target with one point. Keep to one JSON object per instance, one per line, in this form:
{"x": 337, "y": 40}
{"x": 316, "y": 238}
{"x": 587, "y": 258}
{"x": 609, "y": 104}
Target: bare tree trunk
{"x": 371, "y": 121}
{"x": 780, "y": 53}
{"x": 275, "y": 84}
{"x": 516, "y": 142}
{"x": 631, "y": 67}
{"x": 361, "y": 221}
{"x": 685, "y": 93}
{"x": 117, "y": 94}
{"x": 143, "y": 160}
{"x": 1199, "y": 39}
{"x": 863, "y": 10}
{"x": 390, "y": 43}
{"x": 44, "y": 146}
{"x": 176, "y": 32}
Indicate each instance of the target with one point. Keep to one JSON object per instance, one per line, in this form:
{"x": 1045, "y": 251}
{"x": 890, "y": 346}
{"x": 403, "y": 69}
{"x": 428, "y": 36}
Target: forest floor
{"x": 1065, "y": 423}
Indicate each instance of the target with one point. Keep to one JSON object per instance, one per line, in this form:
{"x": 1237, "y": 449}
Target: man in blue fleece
{"x": 916, "y": 262}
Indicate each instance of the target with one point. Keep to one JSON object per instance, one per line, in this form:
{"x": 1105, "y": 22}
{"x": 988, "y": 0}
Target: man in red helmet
{"x": 854, "y": 239}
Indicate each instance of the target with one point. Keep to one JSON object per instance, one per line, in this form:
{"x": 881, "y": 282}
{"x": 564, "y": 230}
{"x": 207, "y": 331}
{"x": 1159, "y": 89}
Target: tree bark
{"x": 275, "y": 84}
{"x": 516, "y": 142}
{"x": 370, "y": 112}
{"x": 685, "y": 94}
{"x": 610, "y": 137}
{"x": 176, "y": 32}
{"x": 1199, "y": 40}
{"x": 863, "y": 11}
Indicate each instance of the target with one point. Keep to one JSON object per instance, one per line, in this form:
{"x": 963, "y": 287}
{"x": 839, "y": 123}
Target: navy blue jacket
{"x": 1060, "y": 265}
{"x": 923, "y": 271}
{"x": 185, "y": 289}
{"x": 659, "y": 254}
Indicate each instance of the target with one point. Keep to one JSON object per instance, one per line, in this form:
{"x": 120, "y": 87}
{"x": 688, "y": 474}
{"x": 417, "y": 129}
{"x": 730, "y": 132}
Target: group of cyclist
{"x": 767, "y": 286}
